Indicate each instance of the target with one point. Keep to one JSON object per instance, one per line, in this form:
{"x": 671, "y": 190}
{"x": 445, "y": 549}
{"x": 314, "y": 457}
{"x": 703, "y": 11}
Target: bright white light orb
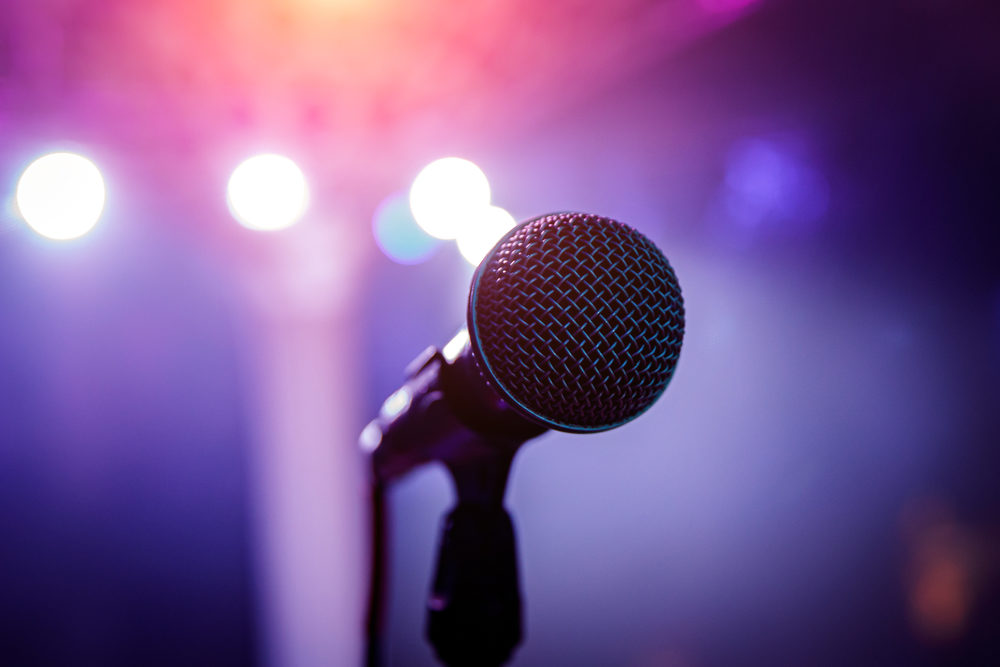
{"x": 483, "y": 233}
{"x": 267, "y": 192}
{"x": 447, "y": 194}
{"x": 61, "y": 195}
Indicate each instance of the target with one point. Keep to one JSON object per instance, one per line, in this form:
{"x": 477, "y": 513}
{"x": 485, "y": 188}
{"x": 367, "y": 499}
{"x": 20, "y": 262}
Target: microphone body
{"x": 574, "y": 323}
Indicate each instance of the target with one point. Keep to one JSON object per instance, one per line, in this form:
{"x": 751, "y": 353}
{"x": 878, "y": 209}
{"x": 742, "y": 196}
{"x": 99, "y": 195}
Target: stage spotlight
{"x": 447, "y": 194}
{"x": 267, "y": 192}
{"x": 61, "y": 195}
{"x": 483, "y": 233}
{"x": 398, "y": 234}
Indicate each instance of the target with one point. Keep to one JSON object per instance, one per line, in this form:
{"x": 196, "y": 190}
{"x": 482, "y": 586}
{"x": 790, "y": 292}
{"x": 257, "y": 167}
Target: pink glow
{"x": 725, "y": 6}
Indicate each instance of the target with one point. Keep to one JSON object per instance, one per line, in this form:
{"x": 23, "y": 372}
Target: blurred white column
{"x": 306, "y": 470}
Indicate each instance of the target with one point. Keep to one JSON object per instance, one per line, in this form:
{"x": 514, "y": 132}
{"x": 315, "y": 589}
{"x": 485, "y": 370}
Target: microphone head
{"x": 576, "y": 321}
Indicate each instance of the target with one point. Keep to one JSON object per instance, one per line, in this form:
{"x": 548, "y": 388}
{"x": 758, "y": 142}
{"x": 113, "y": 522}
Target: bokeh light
{"x": 397, "y": 233}
{"x": 61, "y": 195}
{"x": 767, "y": 183}
{"x": 267, "y": 192}
{"x": 447, "y": 194}
{"x": 483, "y": 232}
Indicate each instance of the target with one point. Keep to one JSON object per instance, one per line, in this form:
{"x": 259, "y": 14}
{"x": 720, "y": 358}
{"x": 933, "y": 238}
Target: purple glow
{"x": 765, "y": 183}
{"x": 179, "y": 476}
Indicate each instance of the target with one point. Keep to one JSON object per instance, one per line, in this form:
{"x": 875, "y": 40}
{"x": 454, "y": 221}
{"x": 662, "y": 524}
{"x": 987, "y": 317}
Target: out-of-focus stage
{"x": 227, "y": 227}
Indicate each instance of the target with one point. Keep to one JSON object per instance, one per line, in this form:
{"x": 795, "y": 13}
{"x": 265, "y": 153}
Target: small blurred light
{"x": 397, "y": 233}
{"x": 61, "y": 195}
{"x": 485, "y": 229}
{"x": 267, "y": 192}
{"x": 393, "y": 406}
{"x": 371, "y": 438}
{"x": 943, "y": 570}
{"x": 447, "y": 194}
{"x": 454, "y": 347}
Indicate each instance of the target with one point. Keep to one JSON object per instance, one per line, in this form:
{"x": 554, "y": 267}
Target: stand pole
{"x": 474, "y": 610}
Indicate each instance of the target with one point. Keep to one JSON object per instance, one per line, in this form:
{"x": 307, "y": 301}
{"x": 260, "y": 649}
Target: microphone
{"x": 574, "y": 323}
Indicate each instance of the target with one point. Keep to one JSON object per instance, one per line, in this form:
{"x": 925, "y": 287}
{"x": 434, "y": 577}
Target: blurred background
{"x": 228, "y": 253}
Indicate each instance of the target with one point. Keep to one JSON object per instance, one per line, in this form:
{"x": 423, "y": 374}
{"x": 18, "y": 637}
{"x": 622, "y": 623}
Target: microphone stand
{"x": 377, "y": 577}
{"x": 474, "y": 607}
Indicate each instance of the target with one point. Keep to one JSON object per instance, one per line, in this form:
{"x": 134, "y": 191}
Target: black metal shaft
{"x": 474, "y": 611}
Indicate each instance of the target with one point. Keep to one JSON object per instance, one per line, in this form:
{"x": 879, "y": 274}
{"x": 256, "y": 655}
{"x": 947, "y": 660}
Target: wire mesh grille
{"x": 577, "y": 320}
